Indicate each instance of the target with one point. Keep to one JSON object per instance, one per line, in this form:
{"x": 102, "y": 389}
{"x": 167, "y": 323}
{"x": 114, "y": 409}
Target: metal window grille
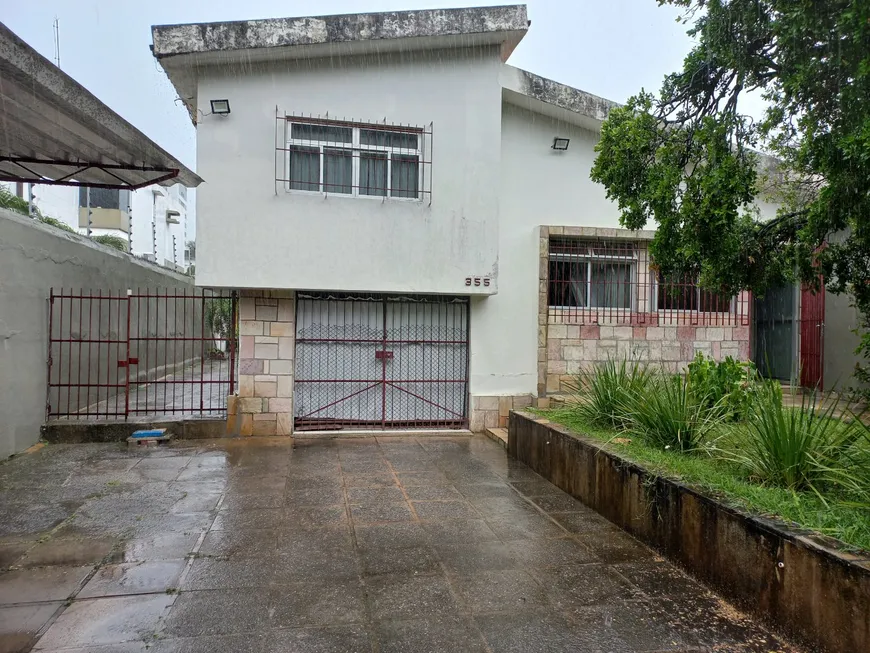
{"x": 148, "y": 352}
{"x": 357, "y": 159}
{"x": 612, "y": 282}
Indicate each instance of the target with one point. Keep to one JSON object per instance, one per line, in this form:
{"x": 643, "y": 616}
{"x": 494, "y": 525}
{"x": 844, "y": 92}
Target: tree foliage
{"x": 11, "y": 201}
{"x": 115, "y": 242}
{"x": 689, "y": 157}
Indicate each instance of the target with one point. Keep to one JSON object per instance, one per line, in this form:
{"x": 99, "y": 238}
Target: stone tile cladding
{"x": 570, "y": 348}
{"x": 266, "y": 356}
{"x": 489, "y": 412}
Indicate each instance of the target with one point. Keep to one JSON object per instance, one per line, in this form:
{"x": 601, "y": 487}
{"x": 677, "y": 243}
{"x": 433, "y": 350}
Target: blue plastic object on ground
{"x": 152, "y": 433}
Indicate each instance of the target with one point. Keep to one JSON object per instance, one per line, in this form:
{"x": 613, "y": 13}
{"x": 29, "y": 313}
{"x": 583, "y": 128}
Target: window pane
{"x": 405, "y": 176}
{"x": 324, "y": 133}
{"x": 304, "y": 168}
{"x": 678, "y": 295}
{"x": 104, "y": 198}
{"x": 373, "y": 174}
{"x": 610, "y": 286}
{"x": 568, "y": 246}
{"x": 384, "y": 138}
{"x": 568, "y": 283}
{"x": 712, "y": 302}
{"x": 613, "y": 249}
{"x": 338, "y": 171}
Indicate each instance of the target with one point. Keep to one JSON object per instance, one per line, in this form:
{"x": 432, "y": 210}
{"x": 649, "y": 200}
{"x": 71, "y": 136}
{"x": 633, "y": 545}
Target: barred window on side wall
{"x": 592, "y": 275}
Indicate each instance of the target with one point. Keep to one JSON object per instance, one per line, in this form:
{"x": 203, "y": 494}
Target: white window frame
{"x": 591, "y": 258}
{"x": 357, "y": 150}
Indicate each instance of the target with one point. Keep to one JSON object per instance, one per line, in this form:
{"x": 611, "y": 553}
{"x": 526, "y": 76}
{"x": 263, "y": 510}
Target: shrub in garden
{"x": 806, "y": 447}
{"x": 607, "y": 391}
{"x": 731, "y": 383}
{"x": 671, "y": 415}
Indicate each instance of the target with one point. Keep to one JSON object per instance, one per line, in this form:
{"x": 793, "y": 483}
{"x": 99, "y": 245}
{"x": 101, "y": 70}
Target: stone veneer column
{"x": 489, "y": 412}
{"x": 267, "y": 340}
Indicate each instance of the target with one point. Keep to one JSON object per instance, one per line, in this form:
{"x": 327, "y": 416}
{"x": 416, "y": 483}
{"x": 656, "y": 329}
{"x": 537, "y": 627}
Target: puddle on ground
{"x": 69, "y": 552}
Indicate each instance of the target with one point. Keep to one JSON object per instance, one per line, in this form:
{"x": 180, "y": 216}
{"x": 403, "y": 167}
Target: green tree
{"x": 688, "y": 157}
{"x": 11, "y": 201}
{"x": 218, "y": 314}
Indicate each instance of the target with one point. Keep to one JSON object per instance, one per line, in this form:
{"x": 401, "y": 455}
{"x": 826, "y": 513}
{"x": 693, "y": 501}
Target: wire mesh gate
{"x": 380, "y": 362}
{"x": 149, "y": 352}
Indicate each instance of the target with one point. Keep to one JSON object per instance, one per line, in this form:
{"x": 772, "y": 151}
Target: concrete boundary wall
{"x": 801, "y": 583}
{"x": 33, "y": 258}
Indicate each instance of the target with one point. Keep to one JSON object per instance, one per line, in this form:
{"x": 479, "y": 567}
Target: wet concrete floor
{"x": 377, "y": 544}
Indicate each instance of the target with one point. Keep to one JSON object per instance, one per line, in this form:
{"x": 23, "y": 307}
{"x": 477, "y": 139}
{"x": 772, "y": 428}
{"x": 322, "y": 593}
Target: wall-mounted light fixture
{"x": 220, "y": 107}
{"x": 561, "y": 144}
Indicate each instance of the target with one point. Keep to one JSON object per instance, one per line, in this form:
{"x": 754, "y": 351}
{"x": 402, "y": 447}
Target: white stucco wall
{"x": 261, "y": 239}
{"x": 149, "y": 206}
{"x": 538, "y": 186}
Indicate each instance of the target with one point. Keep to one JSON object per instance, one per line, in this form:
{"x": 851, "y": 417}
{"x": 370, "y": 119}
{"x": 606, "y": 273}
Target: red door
{"x": 812, "y": 324}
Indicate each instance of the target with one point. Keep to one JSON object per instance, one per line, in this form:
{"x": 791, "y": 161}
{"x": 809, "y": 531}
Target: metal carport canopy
{"x": 54, "y": 131}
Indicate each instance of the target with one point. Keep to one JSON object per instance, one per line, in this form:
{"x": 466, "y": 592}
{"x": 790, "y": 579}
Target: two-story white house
{"x": 419, "y": 244}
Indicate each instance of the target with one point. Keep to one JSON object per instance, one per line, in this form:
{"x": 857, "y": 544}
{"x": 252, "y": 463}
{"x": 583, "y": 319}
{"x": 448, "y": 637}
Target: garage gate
{"x": 381, "y": 362}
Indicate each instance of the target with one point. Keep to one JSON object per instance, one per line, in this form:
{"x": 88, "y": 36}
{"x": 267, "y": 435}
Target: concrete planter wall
{"x": 796, "y": 581}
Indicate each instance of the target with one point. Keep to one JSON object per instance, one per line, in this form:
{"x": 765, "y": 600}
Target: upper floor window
{"x": 355, "y": 159}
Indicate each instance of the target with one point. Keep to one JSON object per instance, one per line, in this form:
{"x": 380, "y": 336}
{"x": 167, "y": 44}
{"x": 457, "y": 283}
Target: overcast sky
{"x": 610, "y": 48}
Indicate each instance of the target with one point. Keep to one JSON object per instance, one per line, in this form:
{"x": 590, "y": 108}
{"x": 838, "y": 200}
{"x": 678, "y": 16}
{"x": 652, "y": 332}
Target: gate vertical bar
{"x": 384, "y": 370}
{"x": 234, "y": 299}
{"x": 201, "y": 350}
{"x": 468, "y": 403}
{"x": 79, "y": 369}
{"x": 127, "y": 361}
{"x": 48, "y": 360}
{"x": 69, "y": 351}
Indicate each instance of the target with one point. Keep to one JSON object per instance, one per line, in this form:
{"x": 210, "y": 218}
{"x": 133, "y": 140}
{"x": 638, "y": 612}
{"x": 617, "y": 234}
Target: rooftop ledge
{"x": 317, "y": 35}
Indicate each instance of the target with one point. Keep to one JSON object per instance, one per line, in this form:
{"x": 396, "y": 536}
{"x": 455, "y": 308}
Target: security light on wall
{"x": 220, "y": 107}
{"x": 561, "y": 144}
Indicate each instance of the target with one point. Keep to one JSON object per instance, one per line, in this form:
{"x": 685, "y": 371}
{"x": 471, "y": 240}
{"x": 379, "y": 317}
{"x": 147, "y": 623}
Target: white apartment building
{"x": 153, "y": 219}
{"x": 419, "y": 244}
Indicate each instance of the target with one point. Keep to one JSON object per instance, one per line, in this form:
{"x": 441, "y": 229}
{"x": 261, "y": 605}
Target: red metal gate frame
{"x": 384, "y": 355}
{"x": 812, "y": 337}
{"x": 124, "y": 303}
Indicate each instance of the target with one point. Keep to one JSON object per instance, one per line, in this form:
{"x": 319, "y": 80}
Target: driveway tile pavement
{"x": 374, "y": 545}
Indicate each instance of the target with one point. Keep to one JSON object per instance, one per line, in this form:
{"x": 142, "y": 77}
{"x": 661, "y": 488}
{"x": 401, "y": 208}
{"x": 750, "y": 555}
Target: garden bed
{"x": 805, "y": 584}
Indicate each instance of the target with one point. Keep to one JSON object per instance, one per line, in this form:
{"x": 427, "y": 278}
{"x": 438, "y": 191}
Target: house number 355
{"x": 477, "y": 281}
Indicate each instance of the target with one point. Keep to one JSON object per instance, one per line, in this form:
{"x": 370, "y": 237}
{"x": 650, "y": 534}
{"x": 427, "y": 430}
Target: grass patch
{"x": 839, "y": 517}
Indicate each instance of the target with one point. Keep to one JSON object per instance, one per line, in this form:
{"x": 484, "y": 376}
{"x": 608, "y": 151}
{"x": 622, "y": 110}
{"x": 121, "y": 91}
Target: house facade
{"x": 419, "y": 244}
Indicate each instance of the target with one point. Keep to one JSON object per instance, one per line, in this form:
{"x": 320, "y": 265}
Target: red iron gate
{"x": 149, "y": 352}
{"x": 812, "y": 322}
{"x": 376, "y": 362}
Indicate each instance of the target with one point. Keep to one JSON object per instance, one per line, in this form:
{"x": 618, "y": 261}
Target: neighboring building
{"x": 419, "y": 243}
{"x": 153, "y": 219}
